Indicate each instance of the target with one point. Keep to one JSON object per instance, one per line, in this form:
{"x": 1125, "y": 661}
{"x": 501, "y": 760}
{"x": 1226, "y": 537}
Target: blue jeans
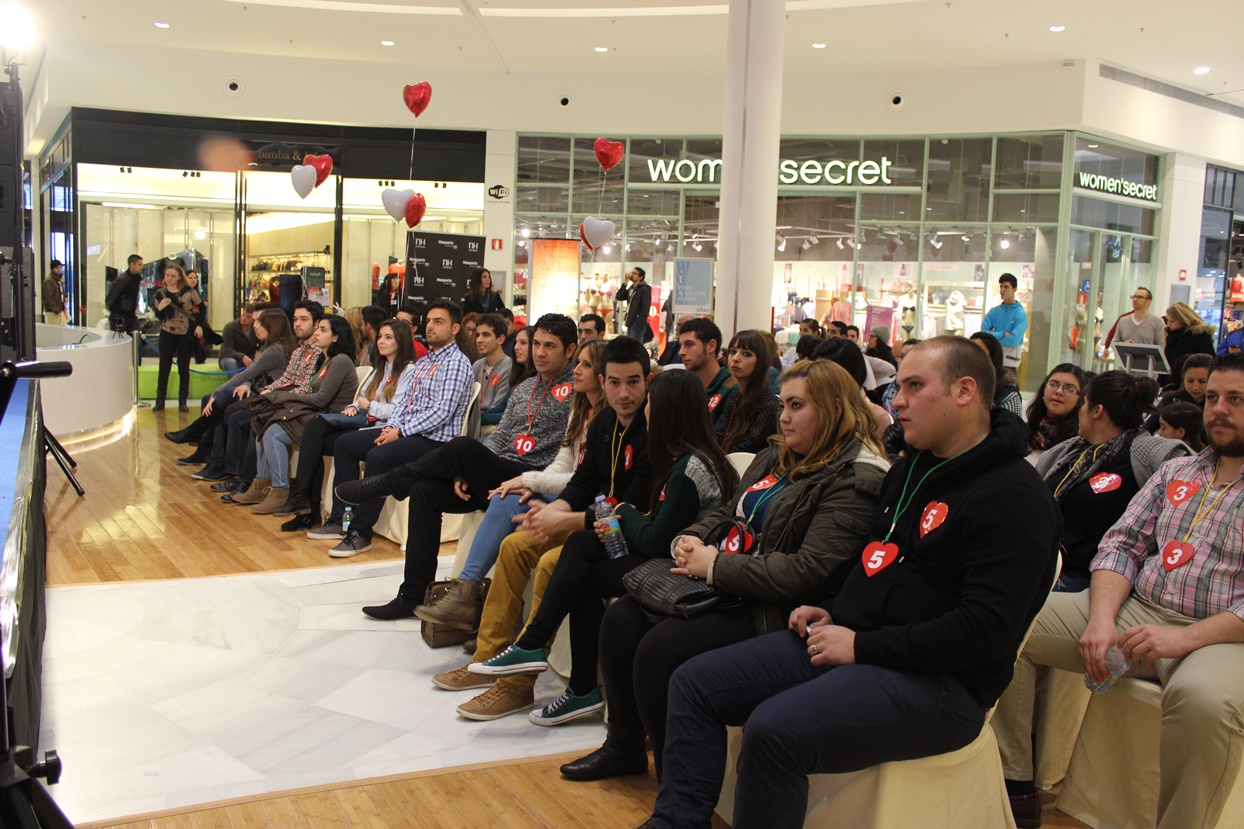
{"x": 637, "y": 332}
{"x": 801, "y": 720}
{"x": 1071, "y": 582}
{"x": 230, "y": 363}
{"x": 273, "y": 456}
{"x": 497, "y": 524}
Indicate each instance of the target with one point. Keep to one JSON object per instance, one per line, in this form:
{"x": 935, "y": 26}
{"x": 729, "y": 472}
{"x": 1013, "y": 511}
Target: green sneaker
{"x": 513, "y": 660}
{"x": 568, "y": 707}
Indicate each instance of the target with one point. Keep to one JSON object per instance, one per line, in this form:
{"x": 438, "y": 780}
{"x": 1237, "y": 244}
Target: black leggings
{"x": 638, "y": 657}
{"x": 181, "y": 345}
{"x": 584, "y": 577}
{"x": 318, "y": 438}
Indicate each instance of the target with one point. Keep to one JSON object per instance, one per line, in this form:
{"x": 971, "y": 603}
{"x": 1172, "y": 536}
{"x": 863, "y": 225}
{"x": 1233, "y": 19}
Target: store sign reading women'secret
{"x": 834, "y": 171}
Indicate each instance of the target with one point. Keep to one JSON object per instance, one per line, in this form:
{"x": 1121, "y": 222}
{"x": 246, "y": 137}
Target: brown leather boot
{"x": 255, "y": 494}
{"x": 458, "y": 608}
{"x": 275, "y": 499}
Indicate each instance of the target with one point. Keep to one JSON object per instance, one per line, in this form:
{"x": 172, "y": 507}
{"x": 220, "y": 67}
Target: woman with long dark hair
{"x": 1006, "y": 394}
{"x": 1182, "y": 421}
{"x": 176, "y": 304}
{"x": 1094, "y": 475}
{"x": 809, "y": 499}
{"x": 389, "y": 297}
{"x": 750, "y": 417}
{"x": 1053, "y": 415}
{"x": 520, "y": 369}
{"x": 481, "y": 298}
{"x": 690, "y": 476}
{"x": 332, "y": 389}
{"x": 390, "y": 381}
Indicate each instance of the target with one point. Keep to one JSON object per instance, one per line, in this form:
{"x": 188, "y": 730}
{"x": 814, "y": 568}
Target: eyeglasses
{"x": 1069, "y": 388}
{"x": 1139, "y": 296}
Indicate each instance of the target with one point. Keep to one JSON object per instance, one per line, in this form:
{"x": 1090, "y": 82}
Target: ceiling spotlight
{"x": 1201, "y": 70}
{"x": 1005, "y": 243}
{"x": 966, "y": 238}
{"x": 607, "y": 249}
{"x": 1058, "y": 28}
{"x": 839, "y": 243}
{"x": 818, "y": 45}
{"x": 525, "y": 233}
{"x": 386, "y": 43}
{"x": 1092, "y": 146}
{"x": 807, "y": 245}
{"x": 937, "y": 244}
{"x": 814, "y": 239}
{"x": 161, "y": 25}
{"x": 852, "y": 243}
{"x": 521, "y": 243}
{"x": 602, "y": 49}
{"x": 781, "y": 240}
{"x": 698, "y": 247}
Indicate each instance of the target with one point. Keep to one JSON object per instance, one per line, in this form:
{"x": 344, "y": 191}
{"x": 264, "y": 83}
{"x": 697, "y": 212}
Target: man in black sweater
{"x": 920, "y": 641}
{"x": 121, "y": 300}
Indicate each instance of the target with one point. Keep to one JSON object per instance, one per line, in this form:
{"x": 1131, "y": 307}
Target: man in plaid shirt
{"x": 1168, "y": 589}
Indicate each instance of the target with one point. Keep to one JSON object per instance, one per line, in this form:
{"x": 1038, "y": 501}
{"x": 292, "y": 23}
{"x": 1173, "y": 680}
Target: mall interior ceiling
{"x": 626, "y": 49}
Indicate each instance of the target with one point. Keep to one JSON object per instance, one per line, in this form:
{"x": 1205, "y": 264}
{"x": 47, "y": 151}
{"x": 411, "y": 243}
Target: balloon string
{"x": 600, "y": 208}
{"x": 411, "y": 177}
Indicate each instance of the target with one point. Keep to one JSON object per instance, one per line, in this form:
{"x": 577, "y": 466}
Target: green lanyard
{"x": 763, "y": 499}
{"x": 904, "y": 504}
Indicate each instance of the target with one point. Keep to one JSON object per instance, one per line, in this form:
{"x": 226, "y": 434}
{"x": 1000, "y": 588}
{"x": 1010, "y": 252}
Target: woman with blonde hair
{"x": 1186, "y": 334}
{"x": 176, "y": 305}
{"x": 807, "y": 500}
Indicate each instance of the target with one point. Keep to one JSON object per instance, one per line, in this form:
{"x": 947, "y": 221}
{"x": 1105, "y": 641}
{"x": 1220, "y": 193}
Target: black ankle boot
{"x": 616, "y": 757}
{"x": 302, "y": 523}
{"x": 180, "y": 436}
{"x": 364, "y": 490}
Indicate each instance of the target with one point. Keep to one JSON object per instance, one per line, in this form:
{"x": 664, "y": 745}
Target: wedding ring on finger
{"x": 814, "y": 649}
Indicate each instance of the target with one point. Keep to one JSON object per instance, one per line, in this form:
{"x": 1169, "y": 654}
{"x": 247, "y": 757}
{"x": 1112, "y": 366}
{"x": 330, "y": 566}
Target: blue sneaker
{"x": 513, "y": 660}
{"x": 568, "y": 707}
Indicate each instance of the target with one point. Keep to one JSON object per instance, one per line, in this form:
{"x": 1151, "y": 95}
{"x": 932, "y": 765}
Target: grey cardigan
{"x": 333, "y": 387}
{"x": 266, "y": 367}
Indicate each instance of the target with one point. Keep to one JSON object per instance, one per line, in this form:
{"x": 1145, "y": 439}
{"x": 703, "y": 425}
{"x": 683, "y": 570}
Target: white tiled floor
{"x": 167, "y": 694}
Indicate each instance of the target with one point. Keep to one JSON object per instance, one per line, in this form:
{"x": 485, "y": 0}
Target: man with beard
{"x": 1168, "y": 590}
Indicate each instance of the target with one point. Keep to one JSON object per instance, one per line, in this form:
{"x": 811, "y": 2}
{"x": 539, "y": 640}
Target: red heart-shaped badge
{"x": 415, "y": 208}
{"x": 1179, "y": 491}
{"x": 417, "y": 96}
{"x": 323, "y": 165}
{"x": 1176, "y": 554}
{"x": 629, "y": 457}
{"x": 934, "y": 514}
{"x": 1105, "y": 482}
{"x": 608, "y": 153}
{"x": 561, "y": 392}
{"x": 878, "y": 556}
{"x": 736, "y": 542}
{"x": 524, "y": 444}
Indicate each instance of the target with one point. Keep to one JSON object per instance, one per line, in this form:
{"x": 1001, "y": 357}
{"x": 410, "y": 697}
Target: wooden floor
{"x": 144, "y": 518}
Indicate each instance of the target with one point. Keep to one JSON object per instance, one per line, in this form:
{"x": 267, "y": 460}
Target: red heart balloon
{"x": 323, "y": 165}
{"x": 415, "y": 208}
{"x": 417, "y": 96}
{"x": 608, "y": 153}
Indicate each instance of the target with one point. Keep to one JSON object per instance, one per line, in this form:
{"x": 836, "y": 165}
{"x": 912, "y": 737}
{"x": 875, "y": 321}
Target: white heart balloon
{"x": 395, "y": 202}
{"x": 597, "y": 231}
{"x": 303, "y": 179}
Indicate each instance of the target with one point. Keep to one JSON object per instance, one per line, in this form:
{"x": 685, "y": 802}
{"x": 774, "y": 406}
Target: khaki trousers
{"x": 1202, "y": 700}
{"x": 520, "y": 555}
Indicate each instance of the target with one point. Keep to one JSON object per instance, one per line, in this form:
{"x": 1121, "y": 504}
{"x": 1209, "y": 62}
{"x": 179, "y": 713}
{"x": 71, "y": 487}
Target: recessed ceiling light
{"x": 602, "y": 48}
{"x": 1201, "y": 70}
{"x": 161, "y": 25}
{"x": 386, "y": 43}
{"x": 1092, "y": 146}
{"x": 818, "y": 45}
{"x": 1058, "y": 28}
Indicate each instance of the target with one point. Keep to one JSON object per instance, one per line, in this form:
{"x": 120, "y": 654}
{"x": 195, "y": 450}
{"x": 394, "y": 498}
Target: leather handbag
{"x": 444, "y": 636}
{"x": 661, "y": 593}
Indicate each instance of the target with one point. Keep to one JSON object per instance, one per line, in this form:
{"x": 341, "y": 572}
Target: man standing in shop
{"x": 698, "y": 342}
{"x": 54, "y": 296}
{"x": 638, "y": 296}
{"x": 1007, "y": 321}
{"x": 121, "y": 300}
{"x": 1139, "y": 326}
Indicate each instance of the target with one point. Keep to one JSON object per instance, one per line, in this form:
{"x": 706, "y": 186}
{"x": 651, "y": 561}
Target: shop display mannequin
{"x": 907, "y": 313}
{"x": 954, "y": 313}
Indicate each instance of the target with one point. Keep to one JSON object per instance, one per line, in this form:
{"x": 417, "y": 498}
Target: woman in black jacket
{"x": 1186, "y": 334}
{"x": 176, "y": 306}
{"x": 750, "y": 417}
{"x": 481, "y": 298}
{"x": 809, "y": 500}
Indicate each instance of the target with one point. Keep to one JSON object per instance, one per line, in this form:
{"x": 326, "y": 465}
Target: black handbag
{"x": 661, "y": 593}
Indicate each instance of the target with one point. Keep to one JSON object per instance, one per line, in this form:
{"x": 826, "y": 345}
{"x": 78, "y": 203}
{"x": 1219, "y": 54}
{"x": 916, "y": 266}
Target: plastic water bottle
{"x": 1117, "y": 664}
{"x": 615, "y": 542}
{"x": 346, "y": 518}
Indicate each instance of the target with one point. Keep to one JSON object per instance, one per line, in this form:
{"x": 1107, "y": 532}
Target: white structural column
{"x": 750, "y": 142}
{"x": 1180, "y": 250}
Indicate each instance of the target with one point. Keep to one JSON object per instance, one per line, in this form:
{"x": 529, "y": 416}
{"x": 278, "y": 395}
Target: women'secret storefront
{"x": 217, "y": 196}
{"x": 910, "y": 233}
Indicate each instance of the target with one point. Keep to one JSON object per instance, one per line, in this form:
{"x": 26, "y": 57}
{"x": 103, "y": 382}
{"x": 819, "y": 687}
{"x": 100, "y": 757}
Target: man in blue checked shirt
{"x": 429, "y": 414}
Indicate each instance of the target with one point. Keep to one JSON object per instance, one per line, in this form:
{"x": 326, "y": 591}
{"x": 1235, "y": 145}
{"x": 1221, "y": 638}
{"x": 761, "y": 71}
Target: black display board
{"x": 440, "y": 265}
